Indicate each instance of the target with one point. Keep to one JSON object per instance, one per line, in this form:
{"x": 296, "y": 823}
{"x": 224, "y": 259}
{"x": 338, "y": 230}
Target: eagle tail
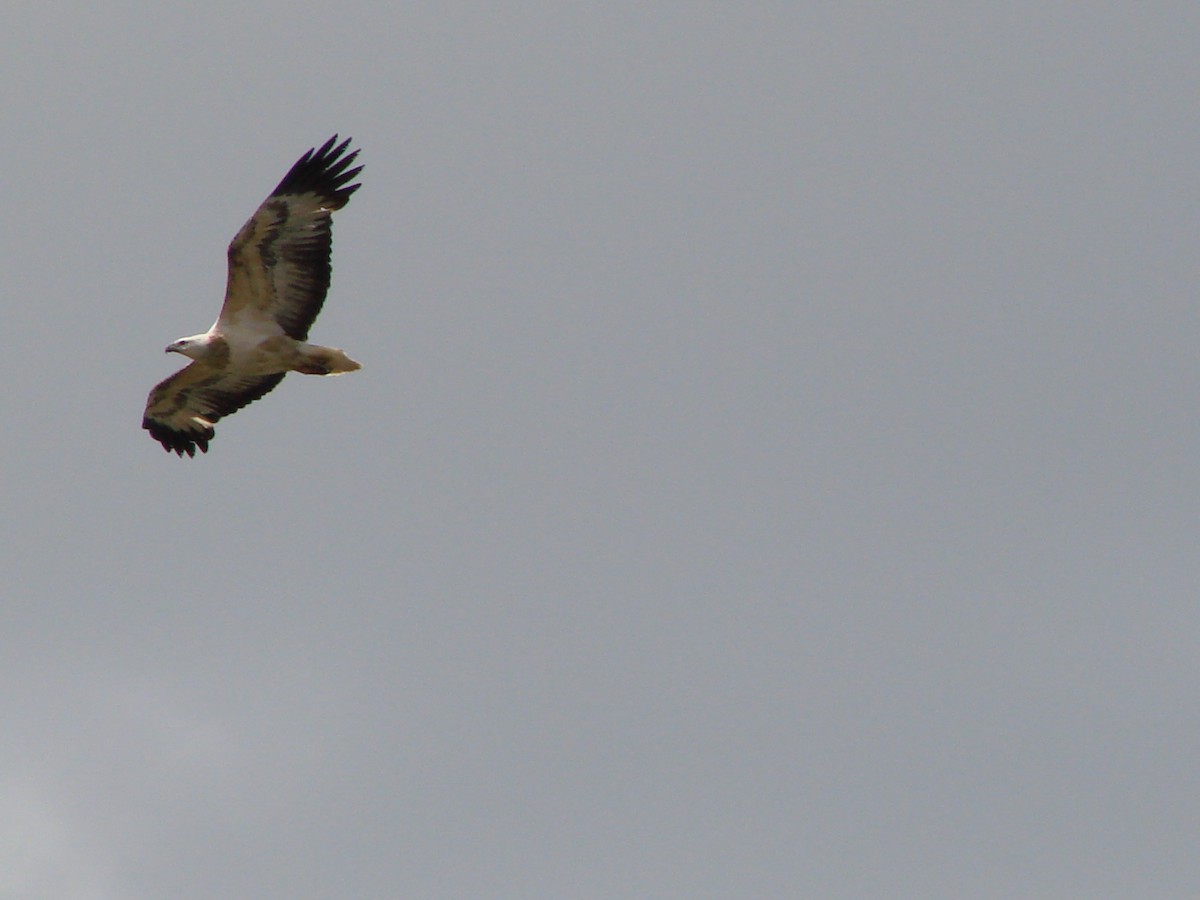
{"x": 316, "y": 360}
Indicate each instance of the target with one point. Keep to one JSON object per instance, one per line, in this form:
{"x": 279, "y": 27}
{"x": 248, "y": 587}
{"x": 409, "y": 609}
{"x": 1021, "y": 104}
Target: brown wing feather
{"x": 181, "y": 411}
{"x": 279, "y": 261}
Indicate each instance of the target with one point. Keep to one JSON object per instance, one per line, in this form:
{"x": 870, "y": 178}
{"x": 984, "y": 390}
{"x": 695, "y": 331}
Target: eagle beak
{"x": 171, "y": 349}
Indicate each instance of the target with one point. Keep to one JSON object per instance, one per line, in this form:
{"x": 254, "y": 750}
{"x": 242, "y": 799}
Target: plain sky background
{"x": 775, "y": 469}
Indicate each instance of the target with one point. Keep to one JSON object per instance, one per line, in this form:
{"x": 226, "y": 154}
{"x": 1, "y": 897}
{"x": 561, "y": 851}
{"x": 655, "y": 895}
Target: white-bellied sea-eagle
{"x": 278, "y": 277}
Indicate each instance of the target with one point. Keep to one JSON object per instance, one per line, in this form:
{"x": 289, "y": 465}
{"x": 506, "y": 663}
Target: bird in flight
{"x": 278, "y": 276}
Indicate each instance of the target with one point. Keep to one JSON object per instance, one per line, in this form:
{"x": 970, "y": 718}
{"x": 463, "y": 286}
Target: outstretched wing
{"x": 181, "y": 411}
{"x": 279, "y": 261}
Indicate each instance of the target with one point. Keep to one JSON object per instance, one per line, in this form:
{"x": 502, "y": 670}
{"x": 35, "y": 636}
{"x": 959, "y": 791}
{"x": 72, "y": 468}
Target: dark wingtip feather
{"x": 178, "y": 441}
{"x": 323, "y": 171}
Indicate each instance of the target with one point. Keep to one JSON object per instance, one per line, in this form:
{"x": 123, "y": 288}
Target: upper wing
{"x": 181, "y": 411}
{"x": 279, "y": 261}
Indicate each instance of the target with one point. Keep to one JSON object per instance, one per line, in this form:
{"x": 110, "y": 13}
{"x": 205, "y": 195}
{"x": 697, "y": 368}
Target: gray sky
{"x": 774, "y": 470}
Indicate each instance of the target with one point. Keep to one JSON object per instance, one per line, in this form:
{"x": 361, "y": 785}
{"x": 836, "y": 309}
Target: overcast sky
{"x": 775, "y": 469}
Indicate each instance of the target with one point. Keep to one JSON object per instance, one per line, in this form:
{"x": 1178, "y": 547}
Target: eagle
{"x": 278, "y": 277}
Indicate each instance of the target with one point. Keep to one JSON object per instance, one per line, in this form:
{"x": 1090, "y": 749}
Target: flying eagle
{"x": 278, "y": 275}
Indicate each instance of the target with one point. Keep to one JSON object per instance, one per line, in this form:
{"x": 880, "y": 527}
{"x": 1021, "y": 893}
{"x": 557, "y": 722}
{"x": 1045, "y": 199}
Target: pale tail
{"x": 325, "y": 361}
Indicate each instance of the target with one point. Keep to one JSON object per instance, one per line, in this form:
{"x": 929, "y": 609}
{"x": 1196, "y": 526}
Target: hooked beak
{"x": 173, "y": 348}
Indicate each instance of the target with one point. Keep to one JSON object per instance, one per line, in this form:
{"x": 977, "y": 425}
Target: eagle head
{"x": 195, "y": 346}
